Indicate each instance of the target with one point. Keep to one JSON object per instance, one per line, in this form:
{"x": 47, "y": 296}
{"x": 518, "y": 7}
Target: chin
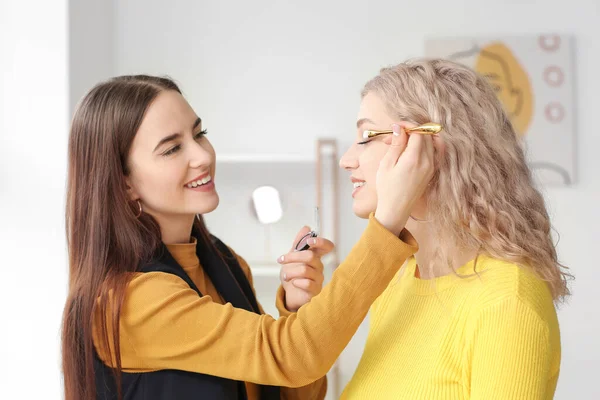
{"x": 208, "y": 206}
{"x": 362, "y": 210}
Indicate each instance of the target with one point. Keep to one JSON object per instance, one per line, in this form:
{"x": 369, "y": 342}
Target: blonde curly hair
{"x": 482, "y": 195}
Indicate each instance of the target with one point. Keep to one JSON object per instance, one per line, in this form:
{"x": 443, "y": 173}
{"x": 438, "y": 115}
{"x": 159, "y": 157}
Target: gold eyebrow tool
{"x": 430, "y": 128}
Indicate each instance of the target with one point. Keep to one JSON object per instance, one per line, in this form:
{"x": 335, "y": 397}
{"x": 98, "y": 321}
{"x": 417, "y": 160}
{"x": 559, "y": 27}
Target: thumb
{"x": 303, "y": 231}
{"x": 399, "y": 140}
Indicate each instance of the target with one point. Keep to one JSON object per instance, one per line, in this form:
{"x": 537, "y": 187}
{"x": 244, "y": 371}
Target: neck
{"x": 175, "y": 229}
{"x": 430, "y": 268}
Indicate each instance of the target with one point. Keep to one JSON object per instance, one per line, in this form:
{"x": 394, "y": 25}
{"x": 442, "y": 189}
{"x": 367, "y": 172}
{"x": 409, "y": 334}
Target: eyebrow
{"x": 174, "y": 136}
{"x": 196, "y": 123}
{"x": 363, "y": 121}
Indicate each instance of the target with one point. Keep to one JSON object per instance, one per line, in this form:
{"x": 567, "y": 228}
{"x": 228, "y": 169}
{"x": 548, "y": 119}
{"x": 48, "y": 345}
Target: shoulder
{"x": 501, "y": 283}
{"x": 154, "y": 284}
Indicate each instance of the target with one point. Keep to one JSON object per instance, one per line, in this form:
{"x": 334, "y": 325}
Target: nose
{"x": 200, "y": 156}
{"x": 349, "y": 160}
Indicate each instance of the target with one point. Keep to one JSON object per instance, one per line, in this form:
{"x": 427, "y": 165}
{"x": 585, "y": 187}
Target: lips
{"x": 199, "y": 181}
{"x": 358, "y": 184}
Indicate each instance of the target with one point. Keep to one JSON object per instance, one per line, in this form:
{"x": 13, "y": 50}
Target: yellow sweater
{"x": 166, "y": 325}
{"x": 486, "y": 337}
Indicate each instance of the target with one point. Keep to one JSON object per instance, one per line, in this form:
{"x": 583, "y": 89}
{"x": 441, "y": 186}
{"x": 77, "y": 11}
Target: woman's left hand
{"x": 302, "y": 271}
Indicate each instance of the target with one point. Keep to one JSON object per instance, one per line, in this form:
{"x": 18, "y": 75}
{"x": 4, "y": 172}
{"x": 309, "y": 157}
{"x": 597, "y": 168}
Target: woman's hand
{"x": 302, "y": 271}
{"x": 402, "y": 177}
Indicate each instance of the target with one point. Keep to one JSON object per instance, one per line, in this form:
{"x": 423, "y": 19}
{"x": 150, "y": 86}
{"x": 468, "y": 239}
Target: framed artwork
{"x": 534, "y": 79}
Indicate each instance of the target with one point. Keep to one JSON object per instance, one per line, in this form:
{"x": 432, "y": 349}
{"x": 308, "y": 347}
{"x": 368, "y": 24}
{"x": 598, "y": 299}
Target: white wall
{"x": 41, "y": 82}
{"x": 267, "y": 76}
{"x": 33, "y": 155}
{"x": 91, "y": 46}
{"x": 273, "y": 76}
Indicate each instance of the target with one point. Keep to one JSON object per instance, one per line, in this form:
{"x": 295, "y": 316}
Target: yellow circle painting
{"x": 508, "y": 78}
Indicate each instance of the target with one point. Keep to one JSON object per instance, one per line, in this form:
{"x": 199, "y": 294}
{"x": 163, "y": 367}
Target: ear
{"x": 439, "y": 145}
{"x": 131, "y": 192}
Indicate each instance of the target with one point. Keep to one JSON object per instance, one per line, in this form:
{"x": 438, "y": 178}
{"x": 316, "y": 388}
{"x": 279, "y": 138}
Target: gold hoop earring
{"x": 139, "y": 214}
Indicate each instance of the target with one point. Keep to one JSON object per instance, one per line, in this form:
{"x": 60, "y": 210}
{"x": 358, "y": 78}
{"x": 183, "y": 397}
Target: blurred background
{"x": 269, "y": 79}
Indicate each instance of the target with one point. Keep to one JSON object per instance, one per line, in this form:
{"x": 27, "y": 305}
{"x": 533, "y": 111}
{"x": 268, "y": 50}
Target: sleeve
{"x": 313, "y": 391}
{"x": 512, "y": 354}
{"x": 165, "y": 324}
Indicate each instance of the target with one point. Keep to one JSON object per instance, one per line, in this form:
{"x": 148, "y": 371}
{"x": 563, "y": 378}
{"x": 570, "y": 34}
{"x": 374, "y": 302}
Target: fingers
{"x": 419, "y": 157}
{"x": 308, "y": 285}
{"x": 399, "y": 140}
{"x": 415, "y": 146}
{"x": 308, "y": 257}
{"x": 429, "y": 148}
{"x": 302, "y": 232}
{"x": 421, "y": 146}
{"x": 301, "y": 271}
{"x": 320, "y": 246}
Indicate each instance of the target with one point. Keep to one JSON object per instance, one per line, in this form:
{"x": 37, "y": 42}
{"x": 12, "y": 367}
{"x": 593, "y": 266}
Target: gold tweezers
{"x": 430, "y": 128}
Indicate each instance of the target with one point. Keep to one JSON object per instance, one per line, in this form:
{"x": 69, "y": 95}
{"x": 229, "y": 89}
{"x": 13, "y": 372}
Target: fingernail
{"x": 396, "y": 129}
{"x": 284, "y": 276}
{"x": 313, "y": 241}
{"x": 281, "y": 259}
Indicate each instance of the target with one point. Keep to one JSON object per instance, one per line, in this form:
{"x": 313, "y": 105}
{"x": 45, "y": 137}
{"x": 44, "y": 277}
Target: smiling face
{"x": 172, "y": 163}
{"x": 363, "y": 157}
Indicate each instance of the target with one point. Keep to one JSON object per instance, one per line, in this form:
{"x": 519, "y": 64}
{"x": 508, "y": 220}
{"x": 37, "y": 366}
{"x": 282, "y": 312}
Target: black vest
{"x": 230, "y": 281}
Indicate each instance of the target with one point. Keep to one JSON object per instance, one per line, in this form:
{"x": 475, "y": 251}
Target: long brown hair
{"x": 106, "y": 238}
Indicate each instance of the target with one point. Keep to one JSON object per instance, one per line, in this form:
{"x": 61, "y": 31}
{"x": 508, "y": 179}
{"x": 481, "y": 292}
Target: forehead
{"x": 374, "y": 108}
{"x": 169, "y": 113}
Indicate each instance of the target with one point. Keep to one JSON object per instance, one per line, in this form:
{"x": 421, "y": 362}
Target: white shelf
{"x": 265, "y": 158}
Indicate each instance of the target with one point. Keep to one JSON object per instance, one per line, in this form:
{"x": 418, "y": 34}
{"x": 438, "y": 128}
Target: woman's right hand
{"x": 402, "y": 177}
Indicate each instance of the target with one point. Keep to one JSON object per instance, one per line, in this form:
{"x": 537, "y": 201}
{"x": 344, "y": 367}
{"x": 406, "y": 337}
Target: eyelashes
{"x": 201, "y": 134}
{"x": 172, "y": 150}
{"x": 176, "y": 148}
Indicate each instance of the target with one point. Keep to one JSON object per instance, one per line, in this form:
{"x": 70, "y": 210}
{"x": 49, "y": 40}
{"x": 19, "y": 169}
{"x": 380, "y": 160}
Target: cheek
{"x": 369, "y": 163}
{"x": 157, "y": 177}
